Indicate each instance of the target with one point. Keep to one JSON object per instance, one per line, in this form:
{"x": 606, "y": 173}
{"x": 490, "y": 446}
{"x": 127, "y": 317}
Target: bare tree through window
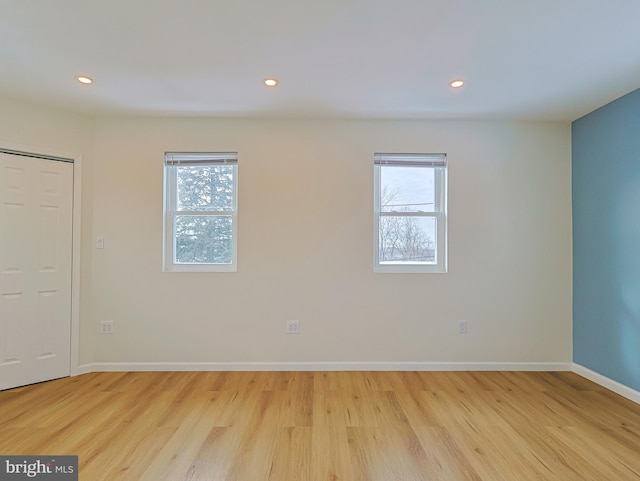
{"x": 402, "y": 238}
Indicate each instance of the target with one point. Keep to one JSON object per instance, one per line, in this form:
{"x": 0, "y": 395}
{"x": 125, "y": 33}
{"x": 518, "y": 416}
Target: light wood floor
{"x": 327, "y": 426}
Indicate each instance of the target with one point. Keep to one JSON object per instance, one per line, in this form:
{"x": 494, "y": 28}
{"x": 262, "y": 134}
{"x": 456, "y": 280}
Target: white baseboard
{"x": 323, "y": 366}
{"x": 83, "y": 369}
{"x": 609, "y": 383}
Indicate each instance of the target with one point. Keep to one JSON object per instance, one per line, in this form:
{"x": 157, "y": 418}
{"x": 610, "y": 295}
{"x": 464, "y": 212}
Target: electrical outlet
{"x": 462, "y": 327}
{"x": 106, "y": 327}
{"x": 293, "y": 327}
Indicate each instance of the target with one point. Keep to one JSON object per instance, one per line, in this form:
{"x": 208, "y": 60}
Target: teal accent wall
{"x": 606, "y": 240}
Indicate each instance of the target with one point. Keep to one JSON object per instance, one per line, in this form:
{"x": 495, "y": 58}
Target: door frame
{"x": 74, "y": 367}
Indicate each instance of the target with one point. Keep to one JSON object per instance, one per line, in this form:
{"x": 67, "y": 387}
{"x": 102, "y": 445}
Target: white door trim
{"x": 76, "y": 237}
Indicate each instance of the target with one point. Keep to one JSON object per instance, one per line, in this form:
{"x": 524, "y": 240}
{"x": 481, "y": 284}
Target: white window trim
{"x": 440, "y": 185}
{"x": 170, "y": 185}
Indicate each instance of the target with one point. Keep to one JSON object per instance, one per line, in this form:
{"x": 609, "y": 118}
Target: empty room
{"x": 333, "y": 241}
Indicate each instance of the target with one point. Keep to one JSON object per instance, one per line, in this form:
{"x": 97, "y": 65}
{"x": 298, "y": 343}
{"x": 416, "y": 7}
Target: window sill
{"x": 201, "y": 268}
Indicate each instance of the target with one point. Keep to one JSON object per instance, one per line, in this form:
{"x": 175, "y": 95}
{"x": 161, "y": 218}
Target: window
{"x": 200, "y": 211}
{"x": 410, "y": 205}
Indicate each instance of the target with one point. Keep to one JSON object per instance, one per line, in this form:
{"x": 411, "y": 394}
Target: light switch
{"x": 99, "y": 242}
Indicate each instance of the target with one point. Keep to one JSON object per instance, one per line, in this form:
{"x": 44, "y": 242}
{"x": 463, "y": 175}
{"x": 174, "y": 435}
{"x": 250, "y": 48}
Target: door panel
{"x": 36, "y": 197}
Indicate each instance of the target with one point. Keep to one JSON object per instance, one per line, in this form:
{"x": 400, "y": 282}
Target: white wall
{"x": 48, "y": 129}
{"x": 30, "y": 124}
{"x": 305, "y": 246}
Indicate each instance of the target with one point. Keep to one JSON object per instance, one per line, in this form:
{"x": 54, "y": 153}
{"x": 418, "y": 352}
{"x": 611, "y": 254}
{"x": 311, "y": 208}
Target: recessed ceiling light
{"x": 84, "y": 80}
{"x": 456, "y": 84}
{"x": 270, "y": 82}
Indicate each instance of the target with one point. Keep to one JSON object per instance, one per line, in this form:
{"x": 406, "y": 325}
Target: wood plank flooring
{"x": 327, "y": 426}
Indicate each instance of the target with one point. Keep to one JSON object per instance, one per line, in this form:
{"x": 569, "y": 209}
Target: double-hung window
{"x": 200, "y": 211}
{"x": 410, "y": 212}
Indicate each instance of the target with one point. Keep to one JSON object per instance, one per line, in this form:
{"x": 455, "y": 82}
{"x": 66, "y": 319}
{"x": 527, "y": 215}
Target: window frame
{"x": 438, "y": 162}
{"x": 172, "y": 161}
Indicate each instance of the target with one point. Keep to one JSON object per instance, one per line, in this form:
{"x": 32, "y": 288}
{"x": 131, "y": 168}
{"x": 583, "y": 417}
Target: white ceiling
{"x": 525, "y": 59}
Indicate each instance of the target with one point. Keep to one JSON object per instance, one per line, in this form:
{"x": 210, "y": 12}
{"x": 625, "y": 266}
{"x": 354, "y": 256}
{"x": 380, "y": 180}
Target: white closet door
{"x": 36, "y": 206}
